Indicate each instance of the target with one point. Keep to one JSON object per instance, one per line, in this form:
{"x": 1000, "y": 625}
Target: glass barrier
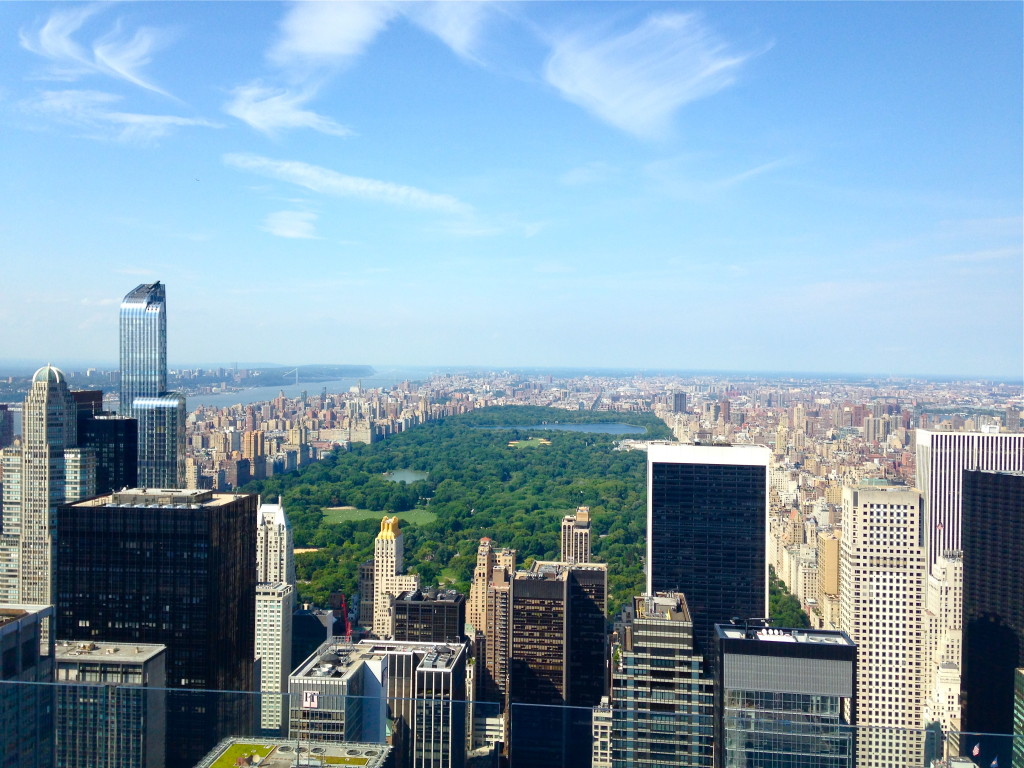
{"x": 72, "y": 725}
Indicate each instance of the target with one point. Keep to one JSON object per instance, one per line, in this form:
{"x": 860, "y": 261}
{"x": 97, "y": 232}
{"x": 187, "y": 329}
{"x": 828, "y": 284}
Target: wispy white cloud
{"x": 458, "y": 25}
{"x": 992, "y": 254}
{"x": 117, "y": 54}
{"x": 292, "y": 224}
{"x": 328, "y": 182}
{"x": 94, "y": 111}
{"x": 270, "y": 110}
{"x": 637, "y": 81}
{"x": 318, "y": 34}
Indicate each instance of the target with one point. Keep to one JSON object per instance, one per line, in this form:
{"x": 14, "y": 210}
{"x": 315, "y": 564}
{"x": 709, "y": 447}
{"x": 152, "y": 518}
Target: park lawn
{"x": 342, "y": 514}
{"x": 530, "y": 442}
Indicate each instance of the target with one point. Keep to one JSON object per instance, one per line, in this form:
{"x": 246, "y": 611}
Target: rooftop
{"x": 669, "y": 606}
{"x": 285, "y": 753}
{"x": 136, "y": 653}
{"x": 337, "y": 659}
{"x": 161, "y": 497}
{"x": 781, "y": 635}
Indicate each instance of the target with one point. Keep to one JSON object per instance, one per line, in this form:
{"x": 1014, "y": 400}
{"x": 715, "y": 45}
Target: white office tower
{"x": 275, "y": 559}
{"x": 882, "y": 574}
{"x": 942, "y": 458}
{"x": 47, "y": 470}
{"x": 576, "y": 536}
{"x": 388, "y": 581}
{"x": 275, "y": 604}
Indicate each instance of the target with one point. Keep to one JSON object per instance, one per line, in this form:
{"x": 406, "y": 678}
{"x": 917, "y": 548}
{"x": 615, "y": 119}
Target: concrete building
{"x": 45, "y": 471}
{"x": 487, "y": 559}
{"x": 111, "y": 705}
{"x": 707, "y": 520}
{"x": 576, "y": 537}
{"x": 942, "y": 458}
{"x": 26, "y": 708}
{"x": 275, "y": 558}
{"x": 882, "y": 575}
{"x": 415, "y": 692}
{"x": 601, "y": 724}
{"x": 388, "y": 579}
{"x": 662, "y": 703}
{"x": 275, "y": 606}
{"x": 786, "y": 697}
{"x": 174, "y": 567}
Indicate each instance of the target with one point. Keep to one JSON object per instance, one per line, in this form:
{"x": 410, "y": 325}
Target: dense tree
{"x": 476, "y": 486}
{"x": 783, "y": 607}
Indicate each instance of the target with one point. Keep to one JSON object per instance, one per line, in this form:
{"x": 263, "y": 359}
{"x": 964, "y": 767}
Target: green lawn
{"x": 414, "y": 516}
{"x": 235, "y": 751}
{"x": 531, "y": 442}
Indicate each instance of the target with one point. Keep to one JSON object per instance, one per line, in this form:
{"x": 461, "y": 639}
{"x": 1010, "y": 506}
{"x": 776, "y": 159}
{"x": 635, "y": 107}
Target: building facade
{"x": 275, "y": 557}
{"x": 172, "y": 567}
{"x": 388, "y": 579}
{"x": 882, "y": 574}
{"x": 576, "y": 537}
{"x": 434, "y": 616}
{"x": 275, "y": 607}
{"x": 111, "y": 705}
{"x": 993, "y": 597}
{"x": 26, "y": 708}
{"x": 661, "y": 701}
{"x": 785, "y": 698}
{"x": 47, "y": 470}
{"x": 707, "y": 519}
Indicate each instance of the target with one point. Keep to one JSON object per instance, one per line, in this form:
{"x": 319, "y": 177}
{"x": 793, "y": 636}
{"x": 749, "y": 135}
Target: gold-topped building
{"x": 388, "y": 580}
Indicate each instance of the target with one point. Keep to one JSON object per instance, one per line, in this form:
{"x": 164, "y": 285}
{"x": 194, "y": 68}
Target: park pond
{"x": 603, "y": 428}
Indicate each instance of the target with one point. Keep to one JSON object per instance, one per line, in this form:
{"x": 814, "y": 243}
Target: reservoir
{"x": 405, "y": 476}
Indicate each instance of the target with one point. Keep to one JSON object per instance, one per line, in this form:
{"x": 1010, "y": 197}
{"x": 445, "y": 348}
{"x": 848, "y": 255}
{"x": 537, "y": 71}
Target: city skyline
{"x": 799, "y": 187}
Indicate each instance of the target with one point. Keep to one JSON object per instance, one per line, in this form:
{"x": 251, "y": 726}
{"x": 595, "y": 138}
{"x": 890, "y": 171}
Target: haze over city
{"x": 805, "y": 187}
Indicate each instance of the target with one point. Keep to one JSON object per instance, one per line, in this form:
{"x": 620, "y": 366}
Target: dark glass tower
{"x": 993, "y": 541}
{"x": 170, "y": 567}
{"x": 144, "y": 395}
{"x": 707, "y": 511}
{"x": 143, "y": 345}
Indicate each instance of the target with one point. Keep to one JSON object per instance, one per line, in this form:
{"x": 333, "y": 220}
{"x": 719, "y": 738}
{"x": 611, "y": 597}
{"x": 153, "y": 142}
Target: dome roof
{"x": 48, "y": 375}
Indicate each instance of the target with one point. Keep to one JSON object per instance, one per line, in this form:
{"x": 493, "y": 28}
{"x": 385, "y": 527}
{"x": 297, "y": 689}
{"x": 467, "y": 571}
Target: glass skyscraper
{"x": 144, "y": 396}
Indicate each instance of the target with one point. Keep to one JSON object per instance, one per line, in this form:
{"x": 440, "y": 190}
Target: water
{"x": 405, "y": 476}
{"x": 604, "y": 428}
{"x": 384, "y": 379}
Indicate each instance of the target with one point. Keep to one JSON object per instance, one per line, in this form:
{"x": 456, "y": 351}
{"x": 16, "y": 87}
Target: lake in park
{"x": 405, "y": 476}
{"x": 604, "y": 428}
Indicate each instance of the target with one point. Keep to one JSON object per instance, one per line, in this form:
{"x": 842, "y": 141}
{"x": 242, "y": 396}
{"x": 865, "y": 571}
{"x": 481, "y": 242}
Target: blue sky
{"x": 742, "y": 186}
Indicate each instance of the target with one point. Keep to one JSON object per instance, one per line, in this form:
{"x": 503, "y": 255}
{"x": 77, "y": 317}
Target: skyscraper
{"x": 275, "y": 606}
{"x": 942, "y": 458}
{"x": 275, "y": 559}
{"x": 26, "y": 708}
{"x": 662, "y": 705}
{"x": 576, "y": 536}
{"x": 388, "y": 580}
{"x": 144, "y": 395}
{"x": 143, "y": 345}
{"x": 993, "y": 597}
{"x": 171, "y": 567}
{"x": 707, "y": 517}
{"x": 47, "y": 470}
{"x": 786, "y": 697}
{"x": 882, "y": 580}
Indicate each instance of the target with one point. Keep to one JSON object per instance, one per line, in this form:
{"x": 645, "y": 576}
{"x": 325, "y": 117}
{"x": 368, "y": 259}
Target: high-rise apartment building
{"x": 111, "y": 705}
{"x": 26, "y": 708}
{"x": 173, "y": 567}
{"x": 275, "y": 606}
{"x": 493, "y": 681}
{"x": 883, "y": 576}
{"x": 47, "y": 470}
{"x": 388, "y": 580}
{"x": 487, "y": 559}
{"x": 785, "y": 697}
{"x": 942, "y": 458}
{"x": 275, "y": 558}
{"x": 576, "y": 536}
{"x": 993, "y": 597}
{"x": 707, "y": 520}
{"x": 662, "y": 704}
{"x": 144, "y": 396}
